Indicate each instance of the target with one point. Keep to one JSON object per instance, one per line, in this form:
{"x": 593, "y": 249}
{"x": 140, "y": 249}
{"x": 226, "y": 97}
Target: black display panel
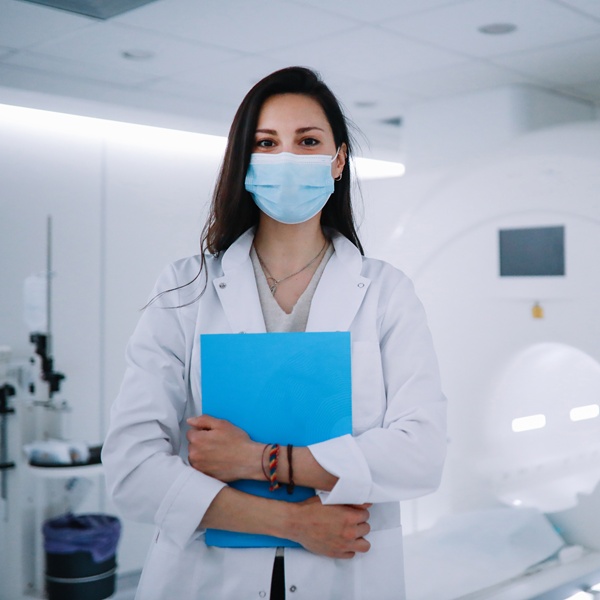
{"x": 535, "y": 251}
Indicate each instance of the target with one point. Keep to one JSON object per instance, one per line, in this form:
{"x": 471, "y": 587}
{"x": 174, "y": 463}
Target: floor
{"x": 126, "y": 586}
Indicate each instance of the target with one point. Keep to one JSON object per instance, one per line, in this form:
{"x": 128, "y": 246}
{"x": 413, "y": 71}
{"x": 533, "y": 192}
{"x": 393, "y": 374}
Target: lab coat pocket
{"x": 368, "y": 389}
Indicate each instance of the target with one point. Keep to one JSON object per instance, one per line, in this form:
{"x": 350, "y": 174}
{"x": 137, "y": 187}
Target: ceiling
{"x": 197, "y": 58}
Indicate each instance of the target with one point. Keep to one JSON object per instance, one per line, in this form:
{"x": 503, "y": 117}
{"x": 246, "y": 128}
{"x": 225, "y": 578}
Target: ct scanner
{"x": 519, "y": 360}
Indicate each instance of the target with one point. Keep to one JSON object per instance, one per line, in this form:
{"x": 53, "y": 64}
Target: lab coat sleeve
{"x": 404, "y": 457}
{"x": 145, "y": 475}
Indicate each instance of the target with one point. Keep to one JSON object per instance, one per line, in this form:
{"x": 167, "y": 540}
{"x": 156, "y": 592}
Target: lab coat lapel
{"x": 237, "y": 290}
{"x": 340, "y": 291}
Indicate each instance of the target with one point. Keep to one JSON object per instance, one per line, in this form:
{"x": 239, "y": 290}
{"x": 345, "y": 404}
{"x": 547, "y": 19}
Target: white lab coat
{"x": 396, "y": 451}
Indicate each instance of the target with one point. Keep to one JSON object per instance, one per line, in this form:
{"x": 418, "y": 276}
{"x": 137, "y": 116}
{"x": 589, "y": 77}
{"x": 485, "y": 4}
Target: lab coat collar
{"x": 237, "y": 289}
{"x": 337, "y": 298}
{"x": 341, "y": 289}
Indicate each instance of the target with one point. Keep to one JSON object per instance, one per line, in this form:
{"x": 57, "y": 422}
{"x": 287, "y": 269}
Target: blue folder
{"x": 285, "y": 388}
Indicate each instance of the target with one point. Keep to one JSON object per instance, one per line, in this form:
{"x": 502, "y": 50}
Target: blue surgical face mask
{"x": 290, "y": 188}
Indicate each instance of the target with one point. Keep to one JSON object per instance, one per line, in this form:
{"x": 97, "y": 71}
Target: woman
{"x": 279, "y": 258}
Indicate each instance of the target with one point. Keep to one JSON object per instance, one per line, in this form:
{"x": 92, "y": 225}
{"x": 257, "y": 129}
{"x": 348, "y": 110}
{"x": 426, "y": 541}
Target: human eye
{"x": 265, "y": 143}
{"x": 310, "y": 142}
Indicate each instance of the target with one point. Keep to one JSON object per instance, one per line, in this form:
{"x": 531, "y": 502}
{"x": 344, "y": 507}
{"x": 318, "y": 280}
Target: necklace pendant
{"x": 272, "y": 283}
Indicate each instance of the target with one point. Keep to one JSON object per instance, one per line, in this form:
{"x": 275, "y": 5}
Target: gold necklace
{"x": 272, "y": 282}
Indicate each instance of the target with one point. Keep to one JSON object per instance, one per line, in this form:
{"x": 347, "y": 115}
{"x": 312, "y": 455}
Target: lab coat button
{"x": 293, "y": 589}
{"x": 222, "y": 285}
{"x": 361, "y": 285}
{"x": 262, "y": 594}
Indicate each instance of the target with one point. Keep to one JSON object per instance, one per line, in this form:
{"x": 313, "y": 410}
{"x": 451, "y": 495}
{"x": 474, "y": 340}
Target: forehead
{"x": 292, "y": 111}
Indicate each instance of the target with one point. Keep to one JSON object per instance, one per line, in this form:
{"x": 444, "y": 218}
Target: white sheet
{"x": 471, "y": 551}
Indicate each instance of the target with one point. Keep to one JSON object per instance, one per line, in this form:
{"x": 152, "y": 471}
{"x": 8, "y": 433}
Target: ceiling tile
{"x": 229, "y": 80}
{"x": 23, "y": 24}
{"x": 589, "y": 7}
{"x": 591, "y": 90}
{"x": 539, "y": 23}
{"x": 104, "y": 43}
{"x": 376, "y": 10}
{"x": 246, "y": 25}
{"x": 565, "y": 64}
{"x": 71, "y": 68}
{"x": 5, "y": 52}
{"x": 456, "y": 79}
{"x": 368, "y": 53}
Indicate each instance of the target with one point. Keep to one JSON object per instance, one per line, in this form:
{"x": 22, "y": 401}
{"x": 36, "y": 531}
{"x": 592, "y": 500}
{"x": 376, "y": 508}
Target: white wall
{"x": 122, "y": 209}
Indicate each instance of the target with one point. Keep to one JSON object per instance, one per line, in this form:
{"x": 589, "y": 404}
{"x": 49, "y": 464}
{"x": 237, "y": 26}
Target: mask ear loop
{"x": 339, "y": 177}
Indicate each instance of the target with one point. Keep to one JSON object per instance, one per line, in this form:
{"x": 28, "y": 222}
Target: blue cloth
{"x": 97, "y": 534}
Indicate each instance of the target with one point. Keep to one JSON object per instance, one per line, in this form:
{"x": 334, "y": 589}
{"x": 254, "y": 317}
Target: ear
{"x": 340, "y": 161}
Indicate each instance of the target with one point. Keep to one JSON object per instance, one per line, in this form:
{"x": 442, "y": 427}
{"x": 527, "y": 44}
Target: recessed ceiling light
{"x": 138, "y": 54}
{"x": 497, "y": 28}
{"x": 393, "y": 121}
{"x": 365, "y": 103}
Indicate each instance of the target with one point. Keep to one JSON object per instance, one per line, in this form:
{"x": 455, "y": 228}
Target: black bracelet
{"x": 262, "y": 463}
{"x": 291, "y": 485}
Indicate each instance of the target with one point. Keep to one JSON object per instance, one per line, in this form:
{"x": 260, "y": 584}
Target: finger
{"x": 362, "y": 529}
{"x": 196, "y": 437}
{"x": 203, "y": 422}
{"x": 360, "y": 515}
{"x": 362, "y": 545}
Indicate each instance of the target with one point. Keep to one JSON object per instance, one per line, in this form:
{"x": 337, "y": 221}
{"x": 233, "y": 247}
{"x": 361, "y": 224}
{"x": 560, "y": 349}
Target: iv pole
{"x": 43, "y": 341}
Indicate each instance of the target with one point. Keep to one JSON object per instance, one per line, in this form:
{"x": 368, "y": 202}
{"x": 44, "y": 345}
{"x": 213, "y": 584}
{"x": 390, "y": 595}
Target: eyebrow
{"x": 300, "y": 130}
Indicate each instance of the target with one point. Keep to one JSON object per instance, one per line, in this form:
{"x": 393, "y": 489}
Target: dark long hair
{"x": 233, "y": 210}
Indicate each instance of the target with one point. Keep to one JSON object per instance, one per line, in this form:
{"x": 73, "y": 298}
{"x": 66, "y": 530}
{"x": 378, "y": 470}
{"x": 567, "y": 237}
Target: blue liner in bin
{"x": 97, "y": 534}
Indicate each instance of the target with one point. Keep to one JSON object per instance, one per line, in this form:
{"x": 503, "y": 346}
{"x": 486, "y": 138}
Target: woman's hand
{"x": 333, "y": 530}
{"x": 222, "y": 450}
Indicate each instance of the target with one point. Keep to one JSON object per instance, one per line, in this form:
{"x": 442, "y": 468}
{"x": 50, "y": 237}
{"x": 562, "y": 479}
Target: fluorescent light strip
{"x": 147, "y": 135}
{"x": 528, "y": 423}
{"x": 369, "y": 168}
{"x": 141, "y": 135}
{"x": 581, "y": 413}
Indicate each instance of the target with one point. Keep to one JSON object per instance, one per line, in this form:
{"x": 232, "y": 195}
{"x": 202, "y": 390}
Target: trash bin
{"x": 81, "y": 556}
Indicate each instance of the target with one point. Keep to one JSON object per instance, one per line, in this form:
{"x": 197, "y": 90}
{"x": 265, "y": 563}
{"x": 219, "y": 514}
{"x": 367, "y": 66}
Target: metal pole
{"x": 49, "y": 286}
